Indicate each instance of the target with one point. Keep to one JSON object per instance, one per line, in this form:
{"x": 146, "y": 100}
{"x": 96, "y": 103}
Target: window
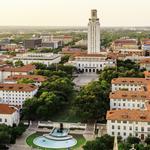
{"x": 113, "y": 127}
{"x": 0, "y": 119}
{"x": 130, "y": 134}
{"x": 112, "y": 133}
{"x": 124, "y": 121}
{"x": 124, "y": 127}
{"x": 148, "y": 129}
{"x": 130, "y": 128}
{"x": 124, "y": 133}
{"x": 136, "y": 128}
{"x": 118, "y": 133}
{"x": 118, "y": 127}
{"x": 142, "y": 129}
{"x": 5, "y": 120}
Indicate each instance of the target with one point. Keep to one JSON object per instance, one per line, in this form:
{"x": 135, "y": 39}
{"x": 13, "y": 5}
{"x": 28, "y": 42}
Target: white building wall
{"x": 93, "y": 66}
{"x": 146, "y": 47}
{"x": 48, "y": 62}
{"x": 5, "y": 74}
{"x": 15, "y": 97}
{"x": 10, "y": 119}
{"x": 94, "y": 34}
{"x": 126, "y": 104}
{"x": 129, "y": 87}
{"x": 128, "y": 128}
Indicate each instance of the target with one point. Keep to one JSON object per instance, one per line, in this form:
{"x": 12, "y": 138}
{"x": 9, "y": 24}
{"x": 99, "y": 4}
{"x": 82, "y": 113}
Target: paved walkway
{"x": 84, "y": 79}
{"x": 89, "y": 132}
{"x": 21, "y": 142}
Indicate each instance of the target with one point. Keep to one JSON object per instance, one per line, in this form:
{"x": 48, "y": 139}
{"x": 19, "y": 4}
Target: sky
{"x": 74, "y": 12}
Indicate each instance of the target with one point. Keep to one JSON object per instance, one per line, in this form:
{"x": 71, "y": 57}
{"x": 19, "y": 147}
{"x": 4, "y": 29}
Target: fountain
{"x": 57, "y": 138}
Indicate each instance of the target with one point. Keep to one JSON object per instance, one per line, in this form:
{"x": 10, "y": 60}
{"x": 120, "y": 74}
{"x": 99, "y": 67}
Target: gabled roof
{"x": 7, "y": 109}
{"x": 129, "y": 115}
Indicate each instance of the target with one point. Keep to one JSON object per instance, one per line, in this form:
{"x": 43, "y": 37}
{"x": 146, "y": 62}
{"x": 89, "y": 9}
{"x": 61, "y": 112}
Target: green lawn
{"x": 80, "y": 141}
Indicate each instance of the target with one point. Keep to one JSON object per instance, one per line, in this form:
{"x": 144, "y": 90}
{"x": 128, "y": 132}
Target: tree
{"x": 19, "y": 63}
{"x": 25, "y": 81}
{"x": 9, "y": 62}
{"x": 102, "y": 143}
{"x": 4, "y": 137}
{"x": 9, "y": 134}
{"x": 92, "y": 101}
{"x": 40, "y": 66}
{"x": 133, "y": 140}
{"x": 147, "y": 140}
{"x": 64, "y": 59}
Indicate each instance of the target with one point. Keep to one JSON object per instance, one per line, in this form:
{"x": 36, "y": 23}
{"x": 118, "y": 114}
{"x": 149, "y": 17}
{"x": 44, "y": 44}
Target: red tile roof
{"x": 125, "y": 42}
{"x": 147, "y": 74}
{"x": 134, "y": 95}
{"x": 127, "y": 80}
{"x": 36, "y": 78}
{"x": 146, "y": 41}
{"x": 7, "y": 109}
{"x": 18, "y": 87}
{"x": 26, "y": 68}
{"x": 145, "y": 61}
{"x": 129, "y": 115}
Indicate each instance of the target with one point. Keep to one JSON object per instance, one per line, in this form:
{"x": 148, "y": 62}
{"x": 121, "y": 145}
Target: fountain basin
{"x": 49, "y": 143}
{"x": 48, "y": 136}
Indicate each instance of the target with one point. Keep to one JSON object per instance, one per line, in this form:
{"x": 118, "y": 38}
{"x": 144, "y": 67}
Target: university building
{"x": 129, "y": 113}
{"x": 16, "y": 94}
{"x": 9, "y": 115}
{"x": 44, "y": 58}
{"x": 94, "y": 60}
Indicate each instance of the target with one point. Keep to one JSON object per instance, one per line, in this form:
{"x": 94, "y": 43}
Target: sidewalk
{"x": 21, "y": 142}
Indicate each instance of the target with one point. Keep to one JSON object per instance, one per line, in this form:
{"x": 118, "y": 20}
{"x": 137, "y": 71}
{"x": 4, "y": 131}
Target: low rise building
{"x": 129, "y": 99}
{"x": 71, "y": 51}
{"x": 92, "y": 62}
{"x": 11, "y": 47}
{"x": 146, "y": 44}
{"x": 145, "y": 63}
{"x": 125, "y": 43}
{"x": 44, "y": 58}
{"x": 130, "y": 84}
{"x": 126, "y": 123}
{"x": 10, "y": 71}
{"x": 37, "y": 79}
{"x": 16, "y": 94}
{"x": 32, "y": 43}
{"x": 52, "y": 44}
{"x": 9, "y": 115}
{"x": 147, "y": 74}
